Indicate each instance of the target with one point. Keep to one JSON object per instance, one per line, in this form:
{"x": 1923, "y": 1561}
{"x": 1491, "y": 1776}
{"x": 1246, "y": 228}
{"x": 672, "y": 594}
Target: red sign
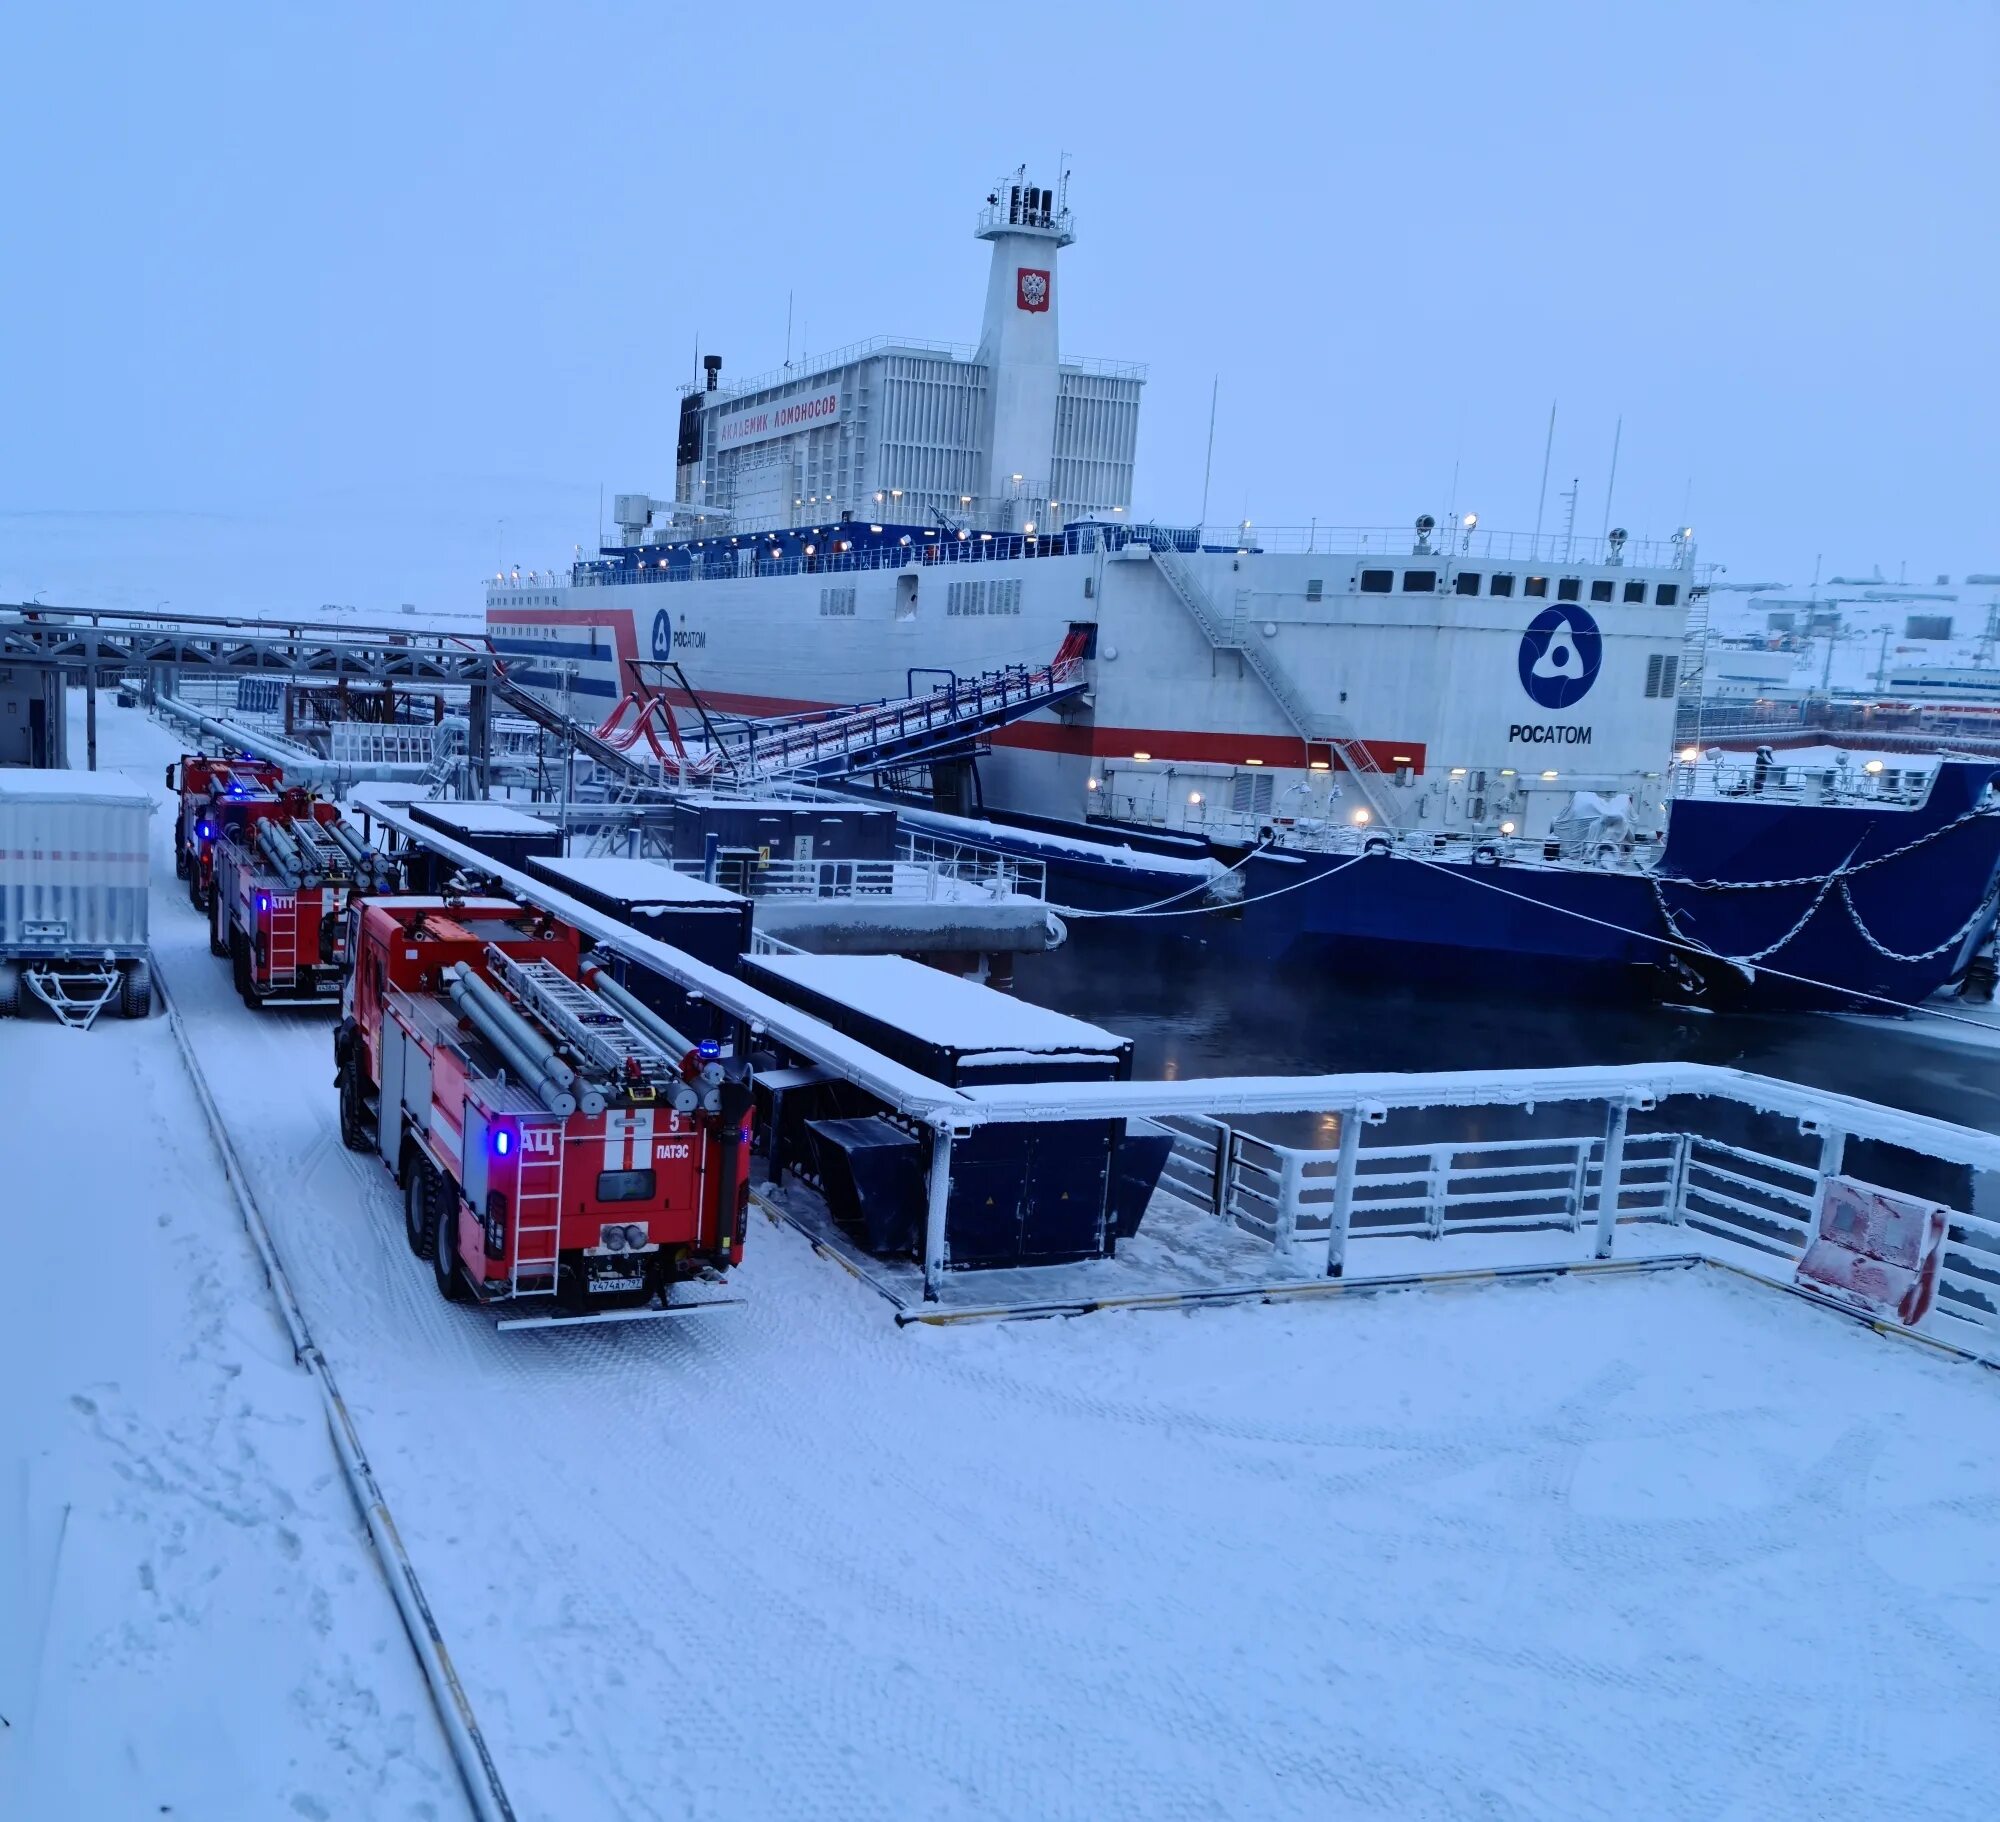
{"x": 1031, "y": 288}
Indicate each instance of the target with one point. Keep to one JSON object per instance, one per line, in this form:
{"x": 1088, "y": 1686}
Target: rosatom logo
{"x": 663, "y": 636}
{"x": 1560, "y": 653}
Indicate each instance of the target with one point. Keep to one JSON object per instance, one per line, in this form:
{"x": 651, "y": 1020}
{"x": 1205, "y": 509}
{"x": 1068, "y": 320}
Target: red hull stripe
{"x": 1163, "y": 744}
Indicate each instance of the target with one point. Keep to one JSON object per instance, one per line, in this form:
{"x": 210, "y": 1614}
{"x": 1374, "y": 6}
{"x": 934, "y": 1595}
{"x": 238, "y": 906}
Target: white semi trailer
{"x": 74, "y": 873}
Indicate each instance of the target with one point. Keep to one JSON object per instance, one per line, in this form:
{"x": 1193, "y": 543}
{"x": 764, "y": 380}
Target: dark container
{"x": 1021, "y": 1194}
{"x": 497, "y": 830}
{"x": 778, "y": 829}
{"x": 685, "y": 912}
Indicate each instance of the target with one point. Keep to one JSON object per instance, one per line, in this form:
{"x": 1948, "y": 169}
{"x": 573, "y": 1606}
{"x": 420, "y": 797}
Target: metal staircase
{"x": 1231, "y": 633}
{"x": 585, "y": 740}
{"x": 1693, "y": 681}
{"x": 867, "y": 738}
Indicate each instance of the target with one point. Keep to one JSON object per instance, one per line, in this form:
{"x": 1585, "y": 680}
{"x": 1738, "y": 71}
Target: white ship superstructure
{"x": 901, "y": 511}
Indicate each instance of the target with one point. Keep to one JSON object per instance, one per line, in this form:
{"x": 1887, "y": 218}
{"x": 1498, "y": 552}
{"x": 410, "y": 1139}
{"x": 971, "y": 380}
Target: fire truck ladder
{"x": 600, "y": 1037}
{"x": 282, "y": 939}
{"x": 538, "y": 1221}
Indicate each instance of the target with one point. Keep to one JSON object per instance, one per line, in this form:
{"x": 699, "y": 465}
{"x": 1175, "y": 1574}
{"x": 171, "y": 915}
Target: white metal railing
{"x": 915, "y": 876}
{"x": 1732, "y": 775}
{"x": 374, "y": 743}
{"x": 1297, "y": 1197}
{"x": 1402, "y": 543}
{"x": 972, "y": 864}
{"x": 807, "y": 366}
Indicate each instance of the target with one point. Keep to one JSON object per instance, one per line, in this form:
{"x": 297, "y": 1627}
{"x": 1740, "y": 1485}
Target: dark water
{"x": 1190, "y": 1013}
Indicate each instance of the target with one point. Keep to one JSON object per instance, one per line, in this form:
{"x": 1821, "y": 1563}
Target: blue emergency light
{"x": 503, "y": 1141}
{"x": 708, "y": 1047}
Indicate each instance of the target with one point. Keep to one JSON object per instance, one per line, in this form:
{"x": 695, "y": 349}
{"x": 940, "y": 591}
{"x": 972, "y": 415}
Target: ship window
{"x": 1635, "y": 591}
{"x": 1377, "y": 581}
{"x": 1535, "y": 585}
{"x": 1600, "y": 591}
{"x": 1500, "y": 585}
{"x": 1468, "y": 582}
{"x": 1667, "y": 593}
{"x": 1420, "y": 581}
{"x": 1569, "y": 589}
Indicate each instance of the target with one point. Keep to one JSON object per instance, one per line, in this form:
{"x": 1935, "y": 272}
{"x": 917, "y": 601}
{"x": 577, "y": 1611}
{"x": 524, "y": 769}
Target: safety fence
{"x": 1294, "y": 1197}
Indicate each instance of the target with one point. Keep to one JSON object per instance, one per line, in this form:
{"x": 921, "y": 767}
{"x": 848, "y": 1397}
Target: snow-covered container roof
{"x": 481, "y": 819}
{"x": 936, "y": 1007}
{"x": 800, "y": 805}
{"x": 53, "y": 785}
{"x": 635, "y": 881}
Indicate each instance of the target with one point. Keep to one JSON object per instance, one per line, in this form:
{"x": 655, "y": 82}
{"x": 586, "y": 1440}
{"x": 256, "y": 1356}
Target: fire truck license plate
{"x": 616, "y": 1284}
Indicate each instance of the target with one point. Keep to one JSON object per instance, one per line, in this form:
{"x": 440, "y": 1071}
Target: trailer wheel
{"x": 420, "y": 1177}
{"x": 135, "y": 991}
{"x": 10, "y": 990}
{"x": 444, "y": 1244}
{"x": 354, "y": 1133}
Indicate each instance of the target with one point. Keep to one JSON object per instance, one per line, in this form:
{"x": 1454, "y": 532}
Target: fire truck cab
{"x": 277, "y": 905}
{"x": 217, "y": 795}
{"x": 553, "y": 1136}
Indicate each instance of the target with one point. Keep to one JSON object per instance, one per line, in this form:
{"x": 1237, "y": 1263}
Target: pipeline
{"x": 548, "y": 1077}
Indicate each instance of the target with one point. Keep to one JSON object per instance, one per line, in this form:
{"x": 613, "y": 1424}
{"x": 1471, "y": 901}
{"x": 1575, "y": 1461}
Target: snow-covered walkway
{"x": 191, "y": 1623}
{"x": 1664, "y": 1548}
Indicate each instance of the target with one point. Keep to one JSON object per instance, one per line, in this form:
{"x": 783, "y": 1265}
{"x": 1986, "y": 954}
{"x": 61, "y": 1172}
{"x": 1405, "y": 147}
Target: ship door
{"x": 906, "y": 596}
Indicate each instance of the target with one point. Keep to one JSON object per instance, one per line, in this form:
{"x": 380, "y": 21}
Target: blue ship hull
{"x": 1756, "y": 904}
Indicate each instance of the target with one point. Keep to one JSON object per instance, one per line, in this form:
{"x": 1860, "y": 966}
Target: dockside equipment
{"x": 1020, "y": 1194}
{"x": 554, "y": 1137}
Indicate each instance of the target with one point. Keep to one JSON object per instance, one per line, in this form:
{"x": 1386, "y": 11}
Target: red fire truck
{"x": 217, "y": 794}
{"x": 280, "y": 882}
{"x": 553, "y": 1135}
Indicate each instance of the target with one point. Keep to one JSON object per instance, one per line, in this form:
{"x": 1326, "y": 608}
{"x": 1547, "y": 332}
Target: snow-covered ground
{"x": 191, "y": 1623}
{"x": 1667, "y": 1547}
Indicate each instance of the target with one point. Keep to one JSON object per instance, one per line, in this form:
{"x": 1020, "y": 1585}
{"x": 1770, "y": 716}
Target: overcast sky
{"x": 316, "y": 304}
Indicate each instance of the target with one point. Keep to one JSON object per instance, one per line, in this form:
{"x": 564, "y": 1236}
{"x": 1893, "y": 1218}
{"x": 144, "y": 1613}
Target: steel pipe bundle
{"x": 293, "y": 865}
{"x": 671, "y": 1041}
{"x": 532, "y": 1058}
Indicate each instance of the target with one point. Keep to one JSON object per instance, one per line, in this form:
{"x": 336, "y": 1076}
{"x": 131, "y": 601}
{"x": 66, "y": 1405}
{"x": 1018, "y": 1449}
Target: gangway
{"x": 842, "y": 742}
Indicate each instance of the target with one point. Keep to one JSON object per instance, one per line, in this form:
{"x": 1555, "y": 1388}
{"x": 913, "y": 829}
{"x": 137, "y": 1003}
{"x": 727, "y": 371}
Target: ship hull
{"x": 1756, "y": 907}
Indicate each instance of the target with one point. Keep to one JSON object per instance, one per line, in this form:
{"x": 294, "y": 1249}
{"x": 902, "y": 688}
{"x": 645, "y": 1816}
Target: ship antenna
{"x": 1208, "y": 467}
{"x": 1542, "y": 499}
{"x": 1613, "y": 481}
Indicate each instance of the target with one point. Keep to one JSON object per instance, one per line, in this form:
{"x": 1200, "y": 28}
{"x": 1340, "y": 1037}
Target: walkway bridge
{"x": 838, "y": 742}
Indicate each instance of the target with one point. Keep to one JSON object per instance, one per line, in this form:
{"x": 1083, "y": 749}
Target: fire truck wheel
{"x": 444, "y": 1245}
{"x": 354, "y": 1133}
{"x": 239, "y": 956}
{"x": 135, "y": 991}
{"x": 420, "y": 1178}
{"x": 180, "y": 861}
{"x": 194, "y": 889}
{"x": 216, "y": 946}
